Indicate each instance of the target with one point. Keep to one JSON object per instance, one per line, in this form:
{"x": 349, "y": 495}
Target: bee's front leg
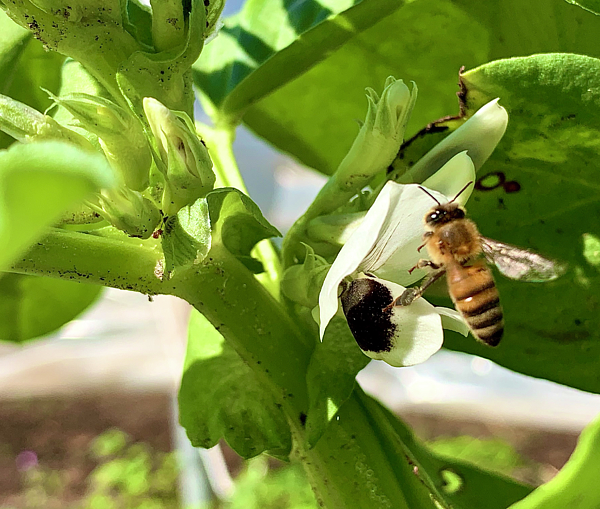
{"x": 421, "y": 264}
{"x": 426, "y": 237}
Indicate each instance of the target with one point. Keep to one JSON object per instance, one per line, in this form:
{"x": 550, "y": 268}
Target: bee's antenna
{"x": 432, "y": 197}
{"x": 461, "y": 191}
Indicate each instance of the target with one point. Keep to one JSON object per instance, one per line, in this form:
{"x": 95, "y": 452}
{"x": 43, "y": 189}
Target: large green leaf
{"x": 576, "y": 485}
{"x": 38, "y": 182}
{"x": 550, "y": 150}
{"x": 313, "y": 116}
{"x": 453, "y": 483}
{"x": 271, "y": 42}
{"x": 221, "y": 397}
{"x": 33, "y": 306}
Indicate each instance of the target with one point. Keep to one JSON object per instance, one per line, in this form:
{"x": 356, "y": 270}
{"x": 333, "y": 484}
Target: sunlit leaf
{"x": 540, "y": 191}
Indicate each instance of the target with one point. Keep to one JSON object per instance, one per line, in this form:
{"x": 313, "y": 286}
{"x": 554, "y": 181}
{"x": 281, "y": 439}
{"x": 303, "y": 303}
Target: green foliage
{"x": 294, "y": 72}
{"x": 549, "y": 149}
{"x": 576, "y": 485}
{"x": 222, "y": 397}
{"x": 331, "y": 377}
{"x": 40, "y": 181}
{"x": 33, "y": 306}
{"x": 495, "y": 455}
{"x": 186, "y": 236}
{"x": 127, "y": 475}
{"x": 258, "y": 487}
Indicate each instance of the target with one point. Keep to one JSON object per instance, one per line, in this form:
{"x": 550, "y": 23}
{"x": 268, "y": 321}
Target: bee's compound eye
{"x": 432, "y": 217}
{"x": 460, "y": 213}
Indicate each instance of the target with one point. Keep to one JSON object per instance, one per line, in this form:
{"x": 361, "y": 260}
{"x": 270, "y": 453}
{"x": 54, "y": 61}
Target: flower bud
{"x": 302, "y": 283}
{"x": 334, "y": 229}
{"x": 381, "y": 135}
{"x": 127, "y": 210}
{"x": 26, "y": 124}
{"x": 188, "y": 168}
{"x": 120, "y": 134}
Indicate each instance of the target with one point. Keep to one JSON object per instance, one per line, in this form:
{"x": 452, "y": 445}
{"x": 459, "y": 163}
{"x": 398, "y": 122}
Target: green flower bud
{"x": 127, "y": 210}
{"x": 187, "y": 166}
{"x": 302, "y": 283}
{"x": 334, "y": 229}
{"x": 120, "y": 134}
{"x": 380, "y": 135}
{"x": 25, "y": 124}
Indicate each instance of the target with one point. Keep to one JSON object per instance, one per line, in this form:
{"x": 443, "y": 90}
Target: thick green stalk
{"x": 349, "y": 467}
{"x": 219, "y": 141}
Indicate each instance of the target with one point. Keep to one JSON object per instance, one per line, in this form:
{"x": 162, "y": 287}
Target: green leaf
{"x": 261, "y": 487}
{"x": 331, "y": 376}
{"x": 186, "y": 237}
{"x": 13, "y": 41}
{"x": 550, "y": 203}
{"x": 494, "y": 455}
{"x": 39, "y": 181}
{"x": 312, "y": 115}
{"x": 589, "y": 5}
{"x": 32, "y": 306}
{"x": 271, "y": 42}
{"x": 238, "y": 224}
{"x": 221, "y": 397}
{"x": 451, "y": 482}
{"x": 576, "y": 485}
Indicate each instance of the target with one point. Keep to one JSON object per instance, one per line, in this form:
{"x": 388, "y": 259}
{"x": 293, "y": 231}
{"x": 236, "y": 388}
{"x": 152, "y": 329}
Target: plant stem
{"x": 263, "y": 334}
{"x": 219, "y": 141}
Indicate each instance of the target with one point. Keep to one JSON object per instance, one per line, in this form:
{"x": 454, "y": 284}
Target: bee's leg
{"x": 421, "y": 264}
{"x": 426, "y": 236}
{"x": 411, "y": 294}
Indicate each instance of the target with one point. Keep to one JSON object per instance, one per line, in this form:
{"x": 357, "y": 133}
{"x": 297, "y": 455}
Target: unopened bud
{"x": 187, "y": 166}
{"x": 302, "y": 283}
{"x": 127, "y": 210}
{"x": 120, "y": 134}
{"x": 26, "y": 124}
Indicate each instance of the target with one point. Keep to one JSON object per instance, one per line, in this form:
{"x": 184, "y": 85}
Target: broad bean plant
{"x": 107, "y": 181}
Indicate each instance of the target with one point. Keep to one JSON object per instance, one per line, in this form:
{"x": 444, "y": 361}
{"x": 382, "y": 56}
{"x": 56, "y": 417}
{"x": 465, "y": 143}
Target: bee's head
{"x": 445, "y": 213}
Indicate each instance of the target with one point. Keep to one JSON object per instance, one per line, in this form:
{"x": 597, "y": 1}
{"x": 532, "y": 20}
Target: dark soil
{"x": 60, "y": 432}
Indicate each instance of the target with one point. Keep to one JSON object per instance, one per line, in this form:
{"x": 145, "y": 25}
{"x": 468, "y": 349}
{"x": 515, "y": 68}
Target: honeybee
{"x": 457, "y": 249}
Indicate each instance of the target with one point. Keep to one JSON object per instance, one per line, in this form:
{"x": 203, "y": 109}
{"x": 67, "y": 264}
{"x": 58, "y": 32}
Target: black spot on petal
{"x": 364, "y": 301}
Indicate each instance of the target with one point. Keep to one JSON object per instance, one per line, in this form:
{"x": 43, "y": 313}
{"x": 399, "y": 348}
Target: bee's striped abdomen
{"x": 476, "y": 297}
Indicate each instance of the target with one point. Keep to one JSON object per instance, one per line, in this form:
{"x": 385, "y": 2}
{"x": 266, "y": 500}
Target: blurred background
{"x": 88, "y": 415}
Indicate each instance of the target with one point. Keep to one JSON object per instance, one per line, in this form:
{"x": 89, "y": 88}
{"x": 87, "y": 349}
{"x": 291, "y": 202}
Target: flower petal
{"x": 453, "y": 320}
{"x": 401, "y": 335}
{"x": 479, "y": 136}
{"x": 395, "y": 251}
{"x": 350, "y": 257}
{"x": 451, "y": 178}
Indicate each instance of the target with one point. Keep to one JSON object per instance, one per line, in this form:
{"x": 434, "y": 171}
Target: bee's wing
{"x": 517, "y": 263}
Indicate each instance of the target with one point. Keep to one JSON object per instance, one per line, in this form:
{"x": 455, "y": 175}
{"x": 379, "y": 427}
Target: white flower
{"x": 385, "y": 245}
